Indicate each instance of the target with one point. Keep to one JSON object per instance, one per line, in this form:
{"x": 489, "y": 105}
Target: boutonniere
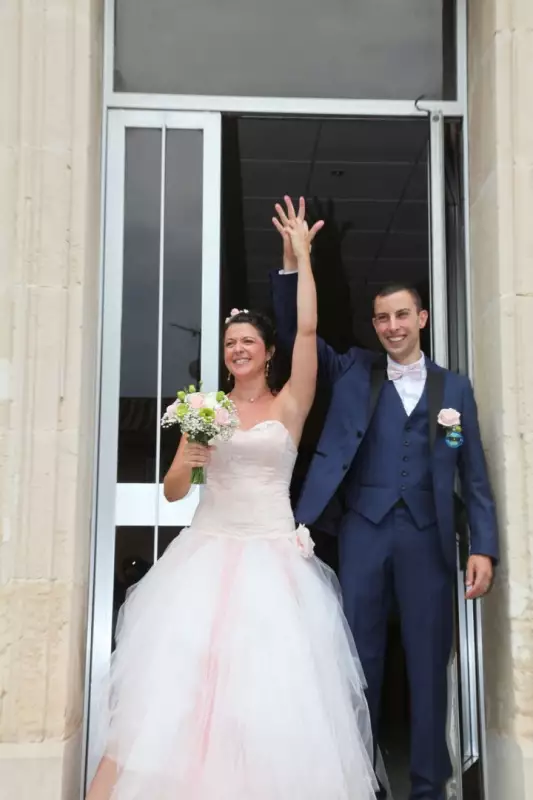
{"x": 450, "y": 420}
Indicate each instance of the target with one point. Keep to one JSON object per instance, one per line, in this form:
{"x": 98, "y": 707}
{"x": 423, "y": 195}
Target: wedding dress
{"x": 235, "y": 675}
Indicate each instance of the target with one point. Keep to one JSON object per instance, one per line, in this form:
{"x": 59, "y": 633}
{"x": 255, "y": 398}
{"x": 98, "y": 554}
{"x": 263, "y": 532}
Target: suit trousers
{"x": 396, "y": 560}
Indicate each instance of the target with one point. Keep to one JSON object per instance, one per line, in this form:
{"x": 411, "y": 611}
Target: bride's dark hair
{"x": 266, "y": 330}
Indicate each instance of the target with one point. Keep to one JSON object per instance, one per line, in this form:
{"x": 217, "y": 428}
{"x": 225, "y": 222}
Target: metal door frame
{"x": 136, "y": 504}
{"x": 132, "y": 504}
{"x": 287, "y": 105}
{"x": 153, "y": 110}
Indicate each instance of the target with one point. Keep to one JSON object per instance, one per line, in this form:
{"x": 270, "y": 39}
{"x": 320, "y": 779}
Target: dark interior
{"x": 368, "y": 179}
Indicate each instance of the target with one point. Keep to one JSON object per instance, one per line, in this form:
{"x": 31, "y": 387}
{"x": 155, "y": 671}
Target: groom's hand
{"x": 479, "y": 573}
{"x": 282, "y": 223}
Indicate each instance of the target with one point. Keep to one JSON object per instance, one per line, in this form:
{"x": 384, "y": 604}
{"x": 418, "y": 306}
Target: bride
{"x": 235, "y": 675}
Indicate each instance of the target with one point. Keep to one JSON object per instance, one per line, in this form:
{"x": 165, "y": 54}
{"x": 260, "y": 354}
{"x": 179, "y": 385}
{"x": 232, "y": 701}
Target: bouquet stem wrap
{"x": 197, "y": 476}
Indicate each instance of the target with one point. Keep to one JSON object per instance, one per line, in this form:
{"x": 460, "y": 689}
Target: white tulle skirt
{"x": 236, "y": 678}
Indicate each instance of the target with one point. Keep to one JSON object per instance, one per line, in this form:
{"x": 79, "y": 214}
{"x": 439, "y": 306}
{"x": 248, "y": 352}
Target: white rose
{"x": 304, "y": 542}
{"x": 449, "y": 418}
{"x": 210, "y": 400}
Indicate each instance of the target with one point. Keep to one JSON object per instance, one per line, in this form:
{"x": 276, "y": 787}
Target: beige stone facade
{"x": 50, "y": 124}
{"x": 501, "y": 219}
{"x": 50, "y": 121}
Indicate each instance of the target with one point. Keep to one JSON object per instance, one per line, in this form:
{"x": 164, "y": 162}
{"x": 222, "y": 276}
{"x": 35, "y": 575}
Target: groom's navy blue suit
{"x": 391, "y": 478}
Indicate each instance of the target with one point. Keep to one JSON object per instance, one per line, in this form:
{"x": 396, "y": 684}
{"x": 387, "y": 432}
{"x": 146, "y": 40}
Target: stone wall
{"x": 501, "y": 214}
{"x": 50, "y": 121}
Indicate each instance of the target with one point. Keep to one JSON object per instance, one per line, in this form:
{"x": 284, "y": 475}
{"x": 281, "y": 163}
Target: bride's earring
{"x": 268, "y": 367}
{"x": 229, "y": 377}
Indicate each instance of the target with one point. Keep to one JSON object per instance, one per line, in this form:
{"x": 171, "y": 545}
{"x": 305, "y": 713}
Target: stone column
{"x": 50, "y": 121}
{"x": 501, "y": 214}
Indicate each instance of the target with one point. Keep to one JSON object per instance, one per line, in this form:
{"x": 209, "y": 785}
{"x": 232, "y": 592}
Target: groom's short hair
{"x": 394, "y": 288}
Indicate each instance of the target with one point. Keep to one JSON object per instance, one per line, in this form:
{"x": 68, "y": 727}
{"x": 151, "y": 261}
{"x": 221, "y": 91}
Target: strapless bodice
{"x": 247, "y": 488}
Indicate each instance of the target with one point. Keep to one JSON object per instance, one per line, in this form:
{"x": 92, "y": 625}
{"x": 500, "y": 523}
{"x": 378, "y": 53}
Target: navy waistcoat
{"x": 393, "y": 462}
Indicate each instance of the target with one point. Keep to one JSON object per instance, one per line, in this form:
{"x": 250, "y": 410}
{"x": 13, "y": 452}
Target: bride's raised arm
{"x": 298, "y": 394}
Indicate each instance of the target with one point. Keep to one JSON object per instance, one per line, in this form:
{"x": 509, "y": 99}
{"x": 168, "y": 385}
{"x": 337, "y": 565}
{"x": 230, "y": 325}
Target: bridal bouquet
{"x": 203, "y": 416}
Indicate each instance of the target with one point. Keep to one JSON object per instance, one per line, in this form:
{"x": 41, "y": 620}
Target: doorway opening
{"x": 368, "y": 178}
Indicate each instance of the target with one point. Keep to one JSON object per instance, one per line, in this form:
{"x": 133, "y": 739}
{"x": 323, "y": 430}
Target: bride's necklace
{"x": 250, "y": 399}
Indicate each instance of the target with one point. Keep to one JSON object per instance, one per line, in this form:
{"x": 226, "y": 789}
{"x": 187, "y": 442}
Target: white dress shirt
{"x": 409, "y": 387}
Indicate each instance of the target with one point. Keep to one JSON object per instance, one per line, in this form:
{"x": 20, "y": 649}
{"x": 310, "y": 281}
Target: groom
{"x": 398, "y": 429}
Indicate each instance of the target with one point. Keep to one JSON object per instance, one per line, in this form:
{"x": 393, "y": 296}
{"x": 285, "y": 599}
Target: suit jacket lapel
{"x": 435, "y": 390}
{"x": 377, "y": 379}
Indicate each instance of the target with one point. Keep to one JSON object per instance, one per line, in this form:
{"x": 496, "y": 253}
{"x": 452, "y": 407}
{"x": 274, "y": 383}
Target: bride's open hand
{"x": 300, "y": 237}
{"x": 288, "y": 219}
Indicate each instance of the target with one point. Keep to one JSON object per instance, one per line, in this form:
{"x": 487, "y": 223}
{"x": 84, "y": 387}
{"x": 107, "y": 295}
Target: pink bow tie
{"x": 415, "y": 371}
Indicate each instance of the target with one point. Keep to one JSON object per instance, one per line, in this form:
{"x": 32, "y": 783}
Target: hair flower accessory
{"x": 234, "y": 312}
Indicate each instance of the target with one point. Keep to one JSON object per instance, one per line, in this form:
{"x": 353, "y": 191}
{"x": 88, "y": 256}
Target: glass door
{"x": 466, "y": 729}
{"x": 160, "y": 333}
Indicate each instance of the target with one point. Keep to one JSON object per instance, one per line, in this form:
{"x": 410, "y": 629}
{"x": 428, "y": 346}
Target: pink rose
{"x": 304, "y": 542}
{"x": 171, "y": 409}
{"x": 449, "y": 418}
{"x": 196, "y": 400}
{"x": 222, "y": 416}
